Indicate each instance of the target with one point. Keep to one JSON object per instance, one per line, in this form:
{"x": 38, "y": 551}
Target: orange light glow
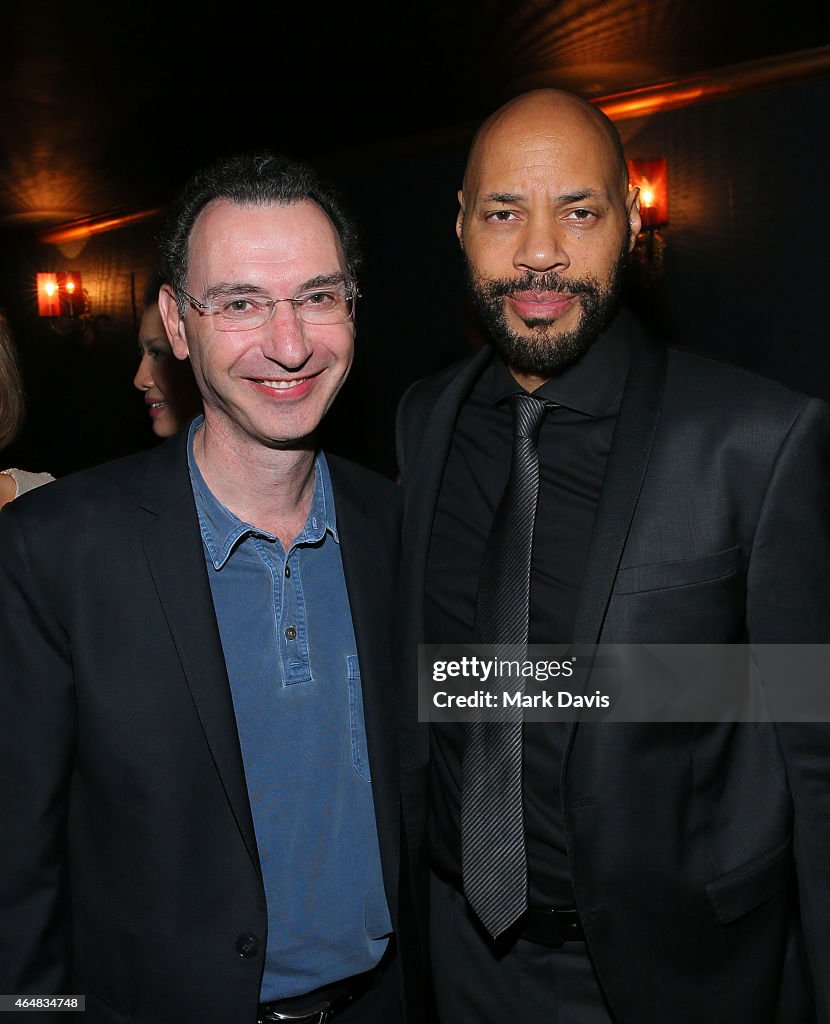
{"x": 728, "y": 81}
{"x": 48, "y": 302}
{"x": 651, "y": 177}
{"x": 85, "y": 228}
{"x": 59, "y": 294}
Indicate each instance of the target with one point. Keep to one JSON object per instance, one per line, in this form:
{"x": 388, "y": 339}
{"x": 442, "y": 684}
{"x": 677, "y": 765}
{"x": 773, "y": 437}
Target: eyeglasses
{"x": 320, "y": 306}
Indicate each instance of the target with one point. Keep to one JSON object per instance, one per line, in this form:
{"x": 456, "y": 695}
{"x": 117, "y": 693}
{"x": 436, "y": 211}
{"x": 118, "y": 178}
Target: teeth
{"x": 283, "y": 385}
{"x": 158, "y": 405}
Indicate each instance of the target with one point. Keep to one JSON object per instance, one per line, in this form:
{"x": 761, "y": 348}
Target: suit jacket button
{"x": 247, "y": 946}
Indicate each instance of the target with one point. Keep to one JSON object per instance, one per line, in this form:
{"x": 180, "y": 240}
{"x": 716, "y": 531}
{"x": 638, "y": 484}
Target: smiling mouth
{"x": 283, "y": 385}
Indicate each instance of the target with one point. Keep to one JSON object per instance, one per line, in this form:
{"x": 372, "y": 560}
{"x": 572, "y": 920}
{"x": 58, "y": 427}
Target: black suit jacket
{"x": 128, "y": 863}
{"x": 713, "y": 526}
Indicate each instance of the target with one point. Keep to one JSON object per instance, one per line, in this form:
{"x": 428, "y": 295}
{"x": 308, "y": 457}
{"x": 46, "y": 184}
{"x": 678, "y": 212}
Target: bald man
{"x": 666, "y": 873}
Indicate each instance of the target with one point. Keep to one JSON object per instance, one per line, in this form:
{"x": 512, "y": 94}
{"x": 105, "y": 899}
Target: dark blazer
{"x": 128, "y": 864}
{"x": 700, "y": 854}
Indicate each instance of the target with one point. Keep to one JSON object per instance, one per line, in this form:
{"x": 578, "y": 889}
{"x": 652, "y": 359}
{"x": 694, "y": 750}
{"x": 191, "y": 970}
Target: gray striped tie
{"x": 494, "y": 861}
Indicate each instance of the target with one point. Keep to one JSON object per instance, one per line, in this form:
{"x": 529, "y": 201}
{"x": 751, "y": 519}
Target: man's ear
{"x": 635, "y": 221}
{"x": 173, "y": 322}
{"x": 459, "y": 220}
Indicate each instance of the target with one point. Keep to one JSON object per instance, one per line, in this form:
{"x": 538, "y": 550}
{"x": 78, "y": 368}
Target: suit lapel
{"x": 624, "y": 475}
{"x": 423, "y": 483}
{"x": 621, "y": 486}
{"x": 369, "y": 571}
{"x": 173, "y": 547}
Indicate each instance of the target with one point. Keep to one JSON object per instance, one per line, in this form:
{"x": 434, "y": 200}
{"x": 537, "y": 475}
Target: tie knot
{"x": 528, "y": 413}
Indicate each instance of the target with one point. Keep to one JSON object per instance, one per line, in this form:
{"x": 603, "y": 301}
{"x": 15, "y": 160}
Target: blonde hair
{"x": 11, "y": 386}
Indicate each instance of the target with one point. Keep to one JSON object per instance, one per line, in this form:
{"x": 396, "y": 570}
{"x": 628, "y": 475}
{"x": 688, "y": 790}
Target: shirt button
{"x": 247, "y": 946}
{"x": 291, "y": 633}
{"x": 288, "y": 572}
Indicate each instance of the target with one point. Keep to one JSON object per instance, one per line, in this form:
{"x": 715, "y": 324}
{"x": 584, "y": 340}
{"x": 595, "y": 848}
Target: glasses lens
{"x": 325, "y": 306}
{"x": 241, "y": 314}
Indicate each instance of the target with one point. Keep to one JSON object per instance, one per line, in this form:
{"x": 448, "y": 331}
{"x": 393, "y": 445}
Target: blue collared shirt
{"x": 291, "y": 657}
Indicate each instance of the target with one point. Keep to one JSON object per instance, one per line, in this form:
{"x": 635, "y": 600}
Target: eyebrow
{"x": 245, "y": 288}
{"x": 581, "y": 195}
{"x": 502, "y": 197}
{"x": 567, "y": 197}
{"x": 145, "y": 343}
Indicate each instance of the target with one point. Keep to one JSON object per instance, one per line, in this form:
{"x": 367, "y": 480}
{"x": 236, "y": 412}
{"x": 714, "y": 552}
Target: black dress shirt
{"x": 573, "y": 448}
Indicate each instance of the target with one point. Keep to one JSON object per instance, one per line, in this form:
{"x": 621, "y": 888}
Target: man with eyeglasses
{"x": 197, "y": 735}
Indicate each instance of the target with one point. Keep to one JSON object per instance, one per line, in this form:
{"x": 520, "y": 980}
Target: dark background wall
{"x": 745, "y": 278}
{"x": 747, "y": 254}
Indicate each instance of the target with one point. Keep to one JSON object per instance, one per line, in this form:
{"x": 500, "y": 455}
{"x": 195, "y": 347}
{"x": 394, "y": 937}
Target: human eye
{"x": 319, "y": 300}
{"x": 239, "y": 307}
{"x": 581, "y": 215}
{"x": 500, "y": 216}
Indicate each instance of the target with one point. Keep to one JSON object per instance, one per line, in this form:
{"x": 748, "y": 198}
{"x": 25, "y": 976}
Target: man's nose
{"x": 286, "y": 338}
{"x": 542, "y": 245}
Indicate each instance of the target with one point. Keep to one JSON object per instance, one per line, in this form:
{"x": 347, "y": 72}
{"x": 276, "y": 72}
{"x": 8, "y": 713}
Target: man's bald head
{"x": 546, "y": 111}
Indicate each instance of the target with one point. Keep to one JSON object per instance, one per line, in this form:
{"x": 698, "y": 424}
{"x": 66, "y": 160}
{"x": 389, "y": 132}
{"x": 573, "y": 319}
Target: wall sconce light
{"x": 61, "y": 294}
{"x": 651, "y": 178}
{"x": 48, "y": 299}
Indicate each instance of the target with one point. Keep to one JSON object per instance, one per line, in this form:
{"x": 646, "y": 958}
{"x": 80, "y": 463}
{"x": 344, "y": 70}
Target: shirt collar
{"x": 592, "y": 386}
{"x": 222, "y": 530}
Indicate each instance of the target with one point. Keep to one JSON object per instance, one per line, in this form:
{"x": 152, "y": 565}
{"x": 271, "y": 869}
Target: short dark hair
{"x": 249, "y": 179}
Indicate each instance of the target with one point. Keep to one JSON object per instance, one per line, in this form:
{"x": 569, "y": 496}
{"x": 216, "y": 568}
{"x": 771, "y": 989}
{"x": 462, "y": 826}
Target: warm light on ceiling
{"x": 88, "y": 226}
{"x": 715, "y": 84}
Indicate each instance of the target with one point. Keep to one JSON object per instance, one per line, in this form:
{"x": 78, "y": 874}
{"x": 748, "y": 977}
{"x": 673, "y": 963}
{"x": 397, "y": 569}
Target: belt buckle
{"x": 553, "y": 926}
{"x": 315, "y": 1015}
{"x": 570, "y": 924}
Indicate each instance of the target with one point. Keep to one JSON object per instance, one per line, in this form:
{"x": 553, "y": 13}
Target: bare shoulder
{"x": 8, "y": 489}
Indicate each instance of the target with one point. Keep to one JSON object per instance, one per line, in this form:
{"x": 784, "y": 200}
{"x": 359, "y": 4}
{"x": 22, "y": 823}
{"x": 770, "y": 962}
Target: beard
{"x": 545, "y": 352}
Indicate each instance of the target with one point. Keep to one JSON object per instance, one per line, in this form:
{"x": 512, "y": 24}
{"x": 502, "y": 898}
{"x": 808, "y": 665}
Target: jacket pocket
{"x": 749, "y": 885}
{"x": 679, "y": 573}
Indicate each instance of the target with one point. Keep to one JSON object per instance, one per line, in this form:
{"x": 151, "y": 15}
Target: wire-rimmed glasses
{"x": 333, "y": 304}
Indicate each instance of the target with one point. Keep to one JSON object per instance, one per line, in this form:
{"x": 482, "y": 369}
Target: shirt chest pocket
{"x": 357, "y": 722}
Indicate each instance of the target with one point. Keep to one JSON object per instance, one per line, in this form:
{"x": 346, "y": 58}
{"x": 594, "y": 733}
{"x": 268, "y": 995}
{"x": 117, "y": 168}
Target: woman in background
{"x": 168, "y": 385}
{"x": 13, "y": 482}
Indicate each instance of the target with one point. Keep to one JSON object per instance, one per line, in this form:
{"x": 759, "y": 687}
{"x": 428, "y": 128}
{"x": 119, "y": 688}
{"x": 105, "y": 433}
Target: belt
{"x": 319, "y": 1006}
{"x": 552, "y": 927}
{"x": 547, "y": 926}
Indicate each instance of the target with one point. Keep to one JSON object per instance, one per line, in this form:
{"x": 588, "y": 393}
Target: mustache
{"x": 530, "y": 281}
